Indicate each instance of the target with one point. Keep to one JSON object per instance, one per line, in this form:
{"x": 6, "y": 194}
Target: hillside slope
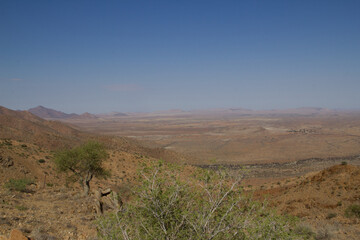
{"x": 321, "y": 198}
{"x": 51, "y": 205}
{"x": 26, "y": 127}
{"x": 48, "y": 113}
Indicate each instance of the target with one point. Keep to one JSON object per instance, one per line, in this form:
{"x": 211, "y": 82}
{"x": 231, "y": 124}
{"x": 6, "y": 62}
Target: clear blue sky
{"x": 101, "y": 56}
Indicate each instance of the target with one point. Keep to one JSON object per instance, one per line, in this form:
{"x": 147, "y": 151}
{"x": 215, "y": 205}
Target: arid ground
{"x": 223, "y": 137}
{"x": 305, "y": 163}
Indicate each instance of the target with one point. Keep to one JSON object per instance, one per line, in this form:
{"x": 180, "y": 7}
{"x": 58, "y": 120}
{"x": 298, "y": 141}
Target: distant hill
{"x": 26, "y": 127}
{"x": 44, "y": 112}
{"x": 48, "y": 113}
{"x": 85, "y": 116}
{"x": 120, "y": 114}
{"x": 317, "y": 194}
{"x": 111, "y": 114}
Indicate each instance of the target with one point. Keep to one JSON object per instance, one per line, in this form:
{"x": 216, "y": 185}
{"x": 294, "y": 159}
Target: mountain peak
{"x": 44, "y": 112}
{"x": 48, "y": 113}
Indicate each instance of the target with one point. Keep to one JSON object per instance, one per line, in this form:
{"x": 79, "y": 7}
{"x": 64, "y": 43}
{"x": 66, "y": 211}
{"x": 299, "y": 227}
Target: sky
{"x": 135, "y": 56}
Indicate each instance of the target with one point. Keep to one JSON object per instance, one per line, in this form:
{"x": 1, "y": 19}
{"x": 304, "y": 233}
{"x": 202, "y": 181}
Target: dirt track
{"x": 288, "y": 169}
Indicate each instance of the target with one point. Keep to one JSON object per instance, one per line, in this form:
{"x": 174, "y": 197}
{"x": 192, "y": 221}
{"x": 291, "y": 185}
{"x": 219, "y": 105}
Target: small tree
{"x": 84, "y": 162}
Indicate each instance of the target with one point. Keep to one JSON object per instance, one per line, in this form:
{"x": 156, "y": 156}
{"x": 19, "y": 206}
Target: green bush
{"x": 18, "y": 184}
{"x": 7, "y": 142}
{"x": 212, "y": 206}
{"x": 331, "y": 215}
{"x": 41, "y": 161}
{"x": 305, "y": 230}
{"x": 353, "y": 211}
{"x": 324, "y": 233}
{"x": 84, "y": 162}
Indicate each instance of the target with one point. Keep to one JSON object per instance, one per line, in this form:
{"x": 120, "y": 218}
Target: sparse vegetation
{"x": 7, "y": 142}
{"x": 324, "y": 234}
{"x": 212, "y": 206}
{"x": 84, "y": 162}
{"x": 18, "y": 184}
{"x": 21, "y": 208}
{"x": 353, "y": 211}
{"x": 54, "y": 203}
{"x": 305, "y": 230}
{"x": 331, "y": 215}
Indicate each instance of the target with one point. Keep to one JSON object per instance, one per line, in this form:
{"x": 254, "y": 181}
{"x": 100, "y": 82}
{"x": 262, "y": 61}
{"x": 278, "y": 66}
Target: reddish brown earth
{"x": 52, "y": 207}
{"x": 320, "y": 199}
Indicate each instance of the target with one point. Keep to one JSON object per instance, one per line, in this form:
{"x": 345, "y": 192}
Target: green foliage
{"x": 7, "y": 142}
{"x": 331, "y": 215}
{"x": 18, "y": 184}
{"x": 353, "y": 211}
{"x": 305, "y": 230}
{"x": 21, "y": 208}
{"x": 87, "y": 158}
{"x": 84, "y": 162}
{"x": 212, "y": 206}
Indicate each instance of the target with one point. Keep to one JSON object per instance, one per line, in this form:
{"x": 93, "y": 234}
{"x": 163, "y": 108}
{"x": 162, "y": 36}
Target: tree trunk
{"x": 86, "y": 187}
{"x": 86, "y": 183}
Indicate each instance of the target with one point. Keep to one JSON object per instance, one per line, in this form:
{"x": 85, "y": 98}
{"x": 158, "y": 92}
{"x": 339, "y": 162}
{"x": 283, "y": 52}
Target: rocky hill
{"x": 25, "y": 126}
{"x": 321, "y": 198}
{"x": 51, "y": 207}
{"x": 48, "y": 113}
{"x": 44, "y": 112}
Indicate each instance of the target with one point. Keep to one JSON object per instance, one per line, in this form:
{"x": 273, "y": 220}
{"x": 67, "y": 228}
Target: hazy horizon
{"x": 192, "y": 110}
{"x": 146, "y": 56}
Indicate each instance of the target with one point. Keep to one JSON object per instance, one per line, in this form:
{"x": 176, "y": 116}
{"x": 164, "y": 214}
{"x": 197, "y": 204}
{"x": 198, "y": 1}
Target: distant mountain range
{"x": 48, "y": 113}
{"x": 27, "y": 127}
{"x": 52, "y": 114}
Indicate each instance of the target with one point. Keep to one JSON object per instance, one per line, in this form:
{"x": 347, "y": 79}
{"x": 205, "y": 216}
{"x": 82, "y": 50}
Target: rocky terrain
{"x": 317, "y": 190}
{"x": 51, "y": 207}
{"x": 320, "y": 199}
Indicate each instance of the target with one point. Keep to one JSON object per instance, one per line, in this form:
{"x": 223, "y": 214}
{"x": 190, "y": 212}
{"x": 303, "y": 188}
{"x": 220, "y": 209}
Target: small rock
{"x": 6, "y": 162}
{"x": 3, "y": 237}
{"x": 17, "y": 235}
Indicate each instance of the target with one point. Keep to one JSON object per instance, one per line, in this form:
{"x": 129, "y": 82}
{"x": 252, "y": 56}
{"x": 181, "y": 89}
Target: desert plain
{"x": 304, "y": 162}
{"x": 275, "y": 143}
